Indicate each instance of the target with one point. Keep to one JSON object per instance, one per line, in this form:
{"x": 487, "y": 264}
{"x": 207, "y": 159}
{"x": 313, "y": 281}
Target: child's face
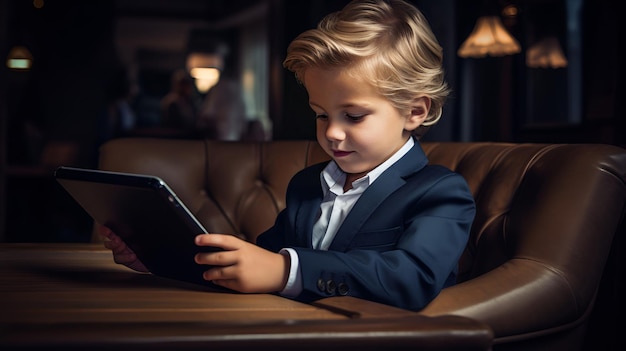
{"x": 356, "y": 126}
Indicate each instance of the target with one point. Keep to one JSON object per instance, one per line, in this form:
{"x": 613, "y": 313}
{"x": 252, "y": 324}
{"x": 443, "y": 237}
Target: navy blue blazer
{"x": 399, "y": 245}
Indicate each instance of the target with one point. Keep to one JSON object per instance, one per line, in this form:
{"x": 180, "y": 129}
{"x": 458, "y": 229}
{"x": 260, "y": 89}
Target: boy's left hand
{"x": 242, "y": 266}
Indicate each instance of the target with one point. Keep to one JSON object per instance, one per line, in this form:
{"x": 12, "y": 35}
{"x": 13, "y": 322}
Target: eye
{"x": 321, "y": 116}
{"x": 354, "y": 118}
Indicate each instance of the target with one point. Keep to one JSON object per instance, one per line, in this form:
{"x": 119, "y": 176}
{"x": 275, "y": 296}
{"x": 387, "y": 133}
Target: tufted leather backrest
{"x": 546, "y": 216}
{"x": 532, "y": 199}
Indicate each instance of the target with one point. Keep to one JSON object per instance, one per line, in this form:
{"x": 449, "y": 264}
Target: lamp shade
{"x": 546, "y": 53}
{"x": 205, "y": 68}
{"x": 489, "y": 37}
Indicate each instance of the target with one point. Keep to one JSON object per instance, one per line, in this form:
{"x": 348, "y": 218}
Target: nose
{"x": 334, "y": 130}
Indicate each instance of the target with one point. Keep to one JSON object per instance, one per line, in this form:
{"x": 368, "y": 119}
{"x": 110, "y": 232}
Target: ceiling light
{"x": 19, "y": 58}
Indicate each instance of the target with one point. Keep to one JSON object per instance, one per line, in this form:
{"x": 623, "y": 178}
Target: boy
{"x": 376, "y": 222}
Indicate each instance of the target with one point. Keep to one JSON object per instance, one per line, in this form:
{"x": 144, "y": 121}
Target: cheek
{"x": 381, "y": 135}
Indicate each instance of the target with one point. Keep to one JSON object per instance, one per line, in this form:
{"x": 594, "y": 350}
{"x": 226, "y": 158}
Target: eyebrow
{"x": 348, "y": 105}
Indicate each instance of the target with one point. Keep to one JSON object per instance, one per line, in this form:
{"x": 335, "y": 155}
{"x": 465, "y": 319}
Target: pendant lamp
{"x": 489, "y": 37}
{"x": 546, "y": 53}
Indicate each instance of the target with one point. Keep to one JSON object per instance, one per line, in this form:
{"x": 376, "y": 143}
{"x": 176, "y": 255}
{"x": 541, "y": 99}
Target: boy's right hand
{"x": 122, "y": 254}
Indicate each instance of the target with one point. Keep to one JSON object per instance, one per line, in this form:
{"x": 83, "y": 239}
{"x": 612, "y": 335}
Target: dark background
{"x": 77, "y": 63}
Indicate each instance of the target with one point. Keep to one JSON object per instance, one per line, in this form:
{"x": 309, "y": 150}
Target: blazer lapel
{"x": 306, "y": 217}
{"x": 308, "y": 210}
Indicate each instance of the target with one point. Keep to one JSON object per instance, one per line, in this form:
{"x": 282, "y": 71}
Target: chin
{"x": 352, "y": 169}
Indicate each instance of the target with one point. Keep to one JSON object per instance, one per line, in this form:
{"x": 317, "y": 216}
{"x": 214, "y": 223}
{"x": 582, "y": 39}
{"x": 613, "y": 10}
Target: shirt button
{"x": 321, "y": 284}
{"x": 330, "y": 287}
{"x": 343, "y": 289}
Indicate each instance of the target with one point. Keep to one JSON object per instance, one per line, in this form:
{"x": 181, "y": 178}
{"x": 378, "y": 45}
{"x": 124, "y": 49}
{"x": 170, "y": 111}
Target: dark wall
{"x": 75, "y": 62}
{"x": 66, "y": 92}
{"x": 3, "y": 118}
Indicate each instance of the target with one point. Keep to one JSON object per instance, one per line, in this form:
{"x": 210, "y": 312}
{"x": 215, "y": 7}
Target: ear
{"x": 418, "y": 114}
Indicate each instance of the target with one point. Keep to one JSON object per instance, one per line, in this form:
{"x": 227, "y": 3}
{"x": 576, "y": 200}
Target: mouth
{"x": 339, "y": 153}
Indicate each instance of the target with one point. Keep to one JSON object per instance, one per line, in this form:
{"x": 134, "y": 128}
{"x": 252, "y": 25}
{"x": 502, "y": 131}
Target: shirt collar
{"x": 332, "y": 177}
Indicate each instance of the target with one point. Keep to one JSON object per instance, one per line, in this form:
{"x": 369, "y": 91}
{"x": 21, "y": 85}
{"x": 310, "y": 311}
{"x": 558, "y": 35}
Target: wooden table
{"x": 73, "y": 296}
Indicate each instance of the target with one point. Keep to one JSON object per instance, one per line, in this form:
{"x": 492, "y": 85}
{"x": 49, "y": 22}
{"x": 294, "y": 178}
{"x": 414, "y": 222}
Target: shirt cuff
{"x": 293, "y": 287}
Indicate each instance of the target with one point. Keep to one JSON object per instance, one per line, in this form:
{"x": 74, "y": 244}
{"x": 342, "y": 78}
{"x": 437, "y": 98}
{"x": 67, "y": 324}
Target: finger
{"x": 224, "y": 241}
{"x": 220, "y": 258}
{"x": 125, "y": 258}
{"x": 111, "y": 245}
{"x": 114, "y": 245}
{"x": 104, "y": 231}
{"x": 221, "y": 273}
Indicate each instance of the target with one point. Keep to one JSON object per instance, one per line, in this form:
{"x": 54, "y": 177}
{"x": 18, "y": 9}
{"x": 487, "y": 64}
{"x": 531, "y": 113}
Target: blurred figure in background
{"x": 180, "y": 106}
{"x": 222, "y": 115}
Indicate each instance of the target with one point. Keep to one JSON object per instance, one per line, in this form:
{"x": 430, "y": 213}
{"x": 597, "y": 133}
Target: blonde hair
{"x": 388, "y": 43}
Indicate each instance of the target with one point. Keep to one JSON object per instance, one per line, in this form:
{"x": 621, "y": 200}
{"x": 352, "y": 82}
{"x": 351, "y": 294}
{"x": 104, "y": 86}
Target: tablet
{"x": 146, "y": 213}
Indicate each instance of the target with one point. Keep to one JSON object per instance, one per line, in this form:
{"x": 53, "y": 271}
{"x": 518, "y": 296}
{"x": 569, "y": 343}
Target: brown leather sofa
{"x": 549, "y": 223}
